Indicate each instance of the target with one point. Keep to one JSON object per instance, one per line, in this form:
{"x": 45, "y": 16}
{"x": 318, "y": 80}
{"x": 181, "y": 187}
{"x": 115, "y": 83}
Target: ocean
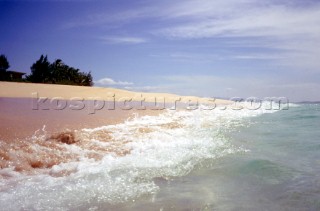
{"x": 202, "y": 159}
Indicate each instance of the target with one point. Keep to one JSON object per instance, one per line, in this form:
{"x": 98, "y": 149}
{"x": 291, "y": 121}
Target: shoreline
{"x": 19, "y": 121}
{"x": 64, "y": 107}
{"x": 67, "y": 92}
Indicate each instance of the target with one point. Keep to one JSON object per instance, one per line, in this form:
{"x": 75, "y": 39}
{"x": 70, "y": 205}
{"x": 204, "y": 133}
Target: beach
{"x": 31, "y": 90}
{"x": 38, "y": 104}
{"x": 79, "y": 153}
{"x": 58, "y": 113}
{"x": 160, "y": 105}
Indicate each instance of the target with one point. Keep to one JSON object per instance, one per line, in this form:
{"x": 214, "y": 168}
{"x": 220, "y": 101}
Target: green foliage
{"x": 57, "y": 73}
{"x": 4, "y": 65}
{"x": 40, "y": 71}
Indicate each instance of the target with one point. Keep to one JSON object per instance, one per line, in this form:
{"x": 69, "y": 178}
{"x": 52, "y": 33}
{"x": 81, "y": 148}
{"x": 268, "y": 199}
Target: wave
{"x": 115, "y": 163}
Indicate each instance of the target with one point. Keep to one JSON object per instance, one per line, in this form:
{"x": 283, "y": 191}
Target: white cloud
{"x": 259, "y": 56}
{"x": 214, "y": 86}
{"x": 123, "y": 40}
{"x": 188, "y": 57}
{"x": 286, "y": 32}
{"x": 146, "y": 88}
{"x": 291, "y": 29}
{"x": 241, "y": 18}
{"x": 111, "y": 82}
{"x": 110, "y": 18}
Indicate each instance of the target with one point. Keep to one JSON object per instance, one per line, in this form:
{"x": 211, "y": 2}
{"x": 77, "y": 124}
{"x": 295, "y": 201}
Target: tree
{"x": 88, "y": 80}
{"x": 85, "y": 79}
{"x": 58, "y": 73}
{"x": 4, "y": 65}
{"x": 40, "y": 71}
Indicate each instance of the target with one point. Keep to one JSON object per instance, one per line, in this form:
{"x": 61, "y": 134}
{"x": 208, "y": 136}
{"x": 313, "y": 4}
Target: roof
{"x": 15, "y": 72}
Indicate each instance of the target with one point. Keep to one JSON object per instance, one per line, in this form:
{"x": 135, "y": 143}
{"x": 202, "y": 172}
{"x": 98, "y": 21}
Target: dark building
{"x": 14, "y": 75}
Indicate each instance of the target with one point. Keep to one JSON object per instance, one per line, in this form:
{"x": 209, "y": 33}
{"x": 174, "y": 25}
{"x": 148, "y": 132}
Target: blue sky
{"x": 228, "y": 48}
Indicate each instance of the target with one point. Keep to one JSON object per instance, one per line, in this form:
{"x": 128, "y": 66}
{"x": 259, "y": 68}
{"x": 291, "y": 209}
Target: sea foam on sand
{"x": 115, "y": 163}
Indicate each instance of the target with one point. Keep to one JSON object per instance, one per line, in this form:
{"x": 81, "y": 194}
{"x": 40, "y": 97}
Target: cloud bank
{"x": 247, "y": 36}
{"x": 111, "y": 82}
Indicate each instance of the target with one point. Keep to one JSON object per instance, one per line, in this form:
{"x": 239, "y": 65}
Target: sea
{"x": 226, "y": 158}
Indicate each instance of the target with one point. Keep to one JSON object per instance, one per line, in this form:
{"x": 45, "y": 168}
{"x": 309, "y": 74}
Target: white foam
{"x": 172, "y": 144}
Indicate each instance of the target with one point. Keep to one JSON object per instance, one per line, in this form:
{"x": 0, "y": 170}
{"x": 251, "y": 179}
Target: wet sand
{"x": 19, "y": 120}
{"x": 30, "y": 139}
{"x": 26, "y": 107}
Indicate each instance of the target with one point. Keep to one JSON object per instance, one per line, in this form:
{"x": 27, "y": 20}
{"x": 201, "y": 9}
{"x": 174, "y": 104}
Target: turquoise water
{"x": 187, "y": 160}
{"x": 280, "y": 170}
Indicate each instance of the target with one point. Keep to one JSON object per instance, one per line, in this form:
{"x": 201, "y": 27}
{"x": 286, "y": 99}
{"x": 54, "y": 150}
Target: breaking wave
{"x": 93, "y": 168}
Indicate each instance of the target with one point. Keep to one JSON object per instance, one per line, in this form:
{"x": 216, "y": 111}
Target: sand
{"x": 23, "y": 110}
{"x": 42, "y": 116}
{"x": 30, "y": 90}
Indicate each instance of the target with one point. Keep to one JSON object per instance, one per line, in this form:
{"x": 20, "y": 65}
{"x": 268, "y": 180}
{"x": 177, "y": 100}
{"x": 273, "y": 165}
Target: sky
{"x": 208, "y": 48}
